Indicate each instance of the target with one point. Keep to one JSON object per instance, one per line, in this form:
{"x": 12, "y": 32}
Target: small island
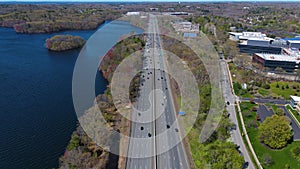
{"x": 64, "y": 42}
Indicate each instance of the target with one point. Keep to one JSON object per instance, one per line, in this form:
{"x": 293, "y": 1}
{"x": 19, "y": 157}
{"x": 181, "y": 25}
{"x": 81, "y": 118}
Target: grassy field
{"x": 285, "y": 89}
{"x": 241, "y": 92}
{"x": 280, "y": 158}
{"x": 275, "y": 108}
{"x": 261, "y": 86}
{"x": 244, "y": 139}
{"x": 263, "y": 92}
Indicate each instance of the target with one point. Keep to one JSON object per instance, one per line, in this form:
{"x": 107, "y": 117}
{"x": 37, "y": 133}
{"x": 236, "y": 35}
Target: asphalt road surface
{"x": 228, "y": 96}
{"x": 265, "y": 100}
{"x": 160, "y": 146}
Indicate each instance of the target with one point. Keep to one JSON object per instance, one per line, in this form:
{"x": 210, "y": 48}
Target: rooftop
{"x": 292, "y": 51}
{"x": 278, "y": 57}
{"x": 294, "y": 41}
{"x": 188, "y": 34}
{"x": 249, "y": 34}
{"x": 295, "y": 98}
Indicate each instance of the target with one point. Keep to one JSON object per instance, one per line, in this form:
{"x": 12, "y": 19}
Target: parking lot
{"x": 264, "y": 112}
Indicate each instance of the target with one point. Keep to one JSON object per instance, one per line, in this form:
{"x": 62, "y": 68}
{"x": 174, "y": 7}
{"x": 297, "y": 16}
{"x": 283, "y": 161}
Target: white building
{"x": 132, "y": 13}
{"x": 293, "y": 43}
{"x": 272, "y": 61}
{"x": 294, "y": 101}
{"x": 257, "y": 42}
{"x": 291, "y": 52}
{"x": 246, "y": 35}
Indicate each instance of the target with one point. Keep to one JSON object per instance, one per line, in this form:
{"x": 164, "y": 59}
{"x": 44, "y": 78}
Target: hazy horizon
{"x": 148, "y": 1}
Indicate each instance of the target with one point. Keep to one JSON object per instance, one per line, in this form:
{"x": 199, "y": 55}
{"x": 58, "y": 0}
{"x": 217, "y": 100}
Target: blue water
{"x": 37, "y": 115}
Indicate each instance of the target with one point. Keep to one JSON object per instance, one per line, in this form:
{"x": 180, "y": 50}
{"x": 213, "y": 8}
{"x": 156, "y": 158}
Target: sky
{"x": 142, "y": 0}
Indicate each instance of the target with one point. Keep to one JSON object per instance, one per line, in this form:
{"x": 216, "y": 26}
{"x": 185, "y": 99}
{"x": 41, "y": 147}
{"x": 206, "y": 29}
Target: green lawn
{"x": 247, "y": 106}
{"x": 241, "y": 92}
{"x": 295, "y": 113}
{"x": 281, "y": 89}
{"x": 275, "y": 108}
{"x": 285, "y": 89}
{"x": 263, "y": 92}
{"x": 244, "y": 139}
{"x": 280, "y": 157}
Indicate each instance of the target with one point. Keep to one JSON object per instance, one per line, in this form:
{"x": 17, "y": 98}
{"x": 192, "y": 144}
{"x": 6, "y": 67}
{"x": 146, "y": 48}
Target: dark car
{"x": 233, "y": 127}
{"x": 245, "y": 165}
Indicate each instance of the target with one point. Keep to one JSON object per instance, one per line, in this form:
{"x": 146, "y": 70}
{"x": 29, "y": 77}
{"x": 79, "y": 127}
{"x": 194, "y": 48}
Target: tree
{"x": 298, "y": 74}
{"x": 242, "y": 60}
{"x": 230, "y": 49}
{"x": 222, "y": 155}
{"x": 267, "y": 159}
{"x": 74, "y": 142}
{"x": 279, "y": 70}
{"x": 224, "y": 129}
{"x": 279, "y": 112}
{"x": 247, "y": 113}
{"x": 275, "y": 132}
{"x": 286, "y": 166}
{"x": 252, "y": 123}
{"x": 296, "y": 152}
{"x": 287, "y": 86}
{"x": 266, "y": 86}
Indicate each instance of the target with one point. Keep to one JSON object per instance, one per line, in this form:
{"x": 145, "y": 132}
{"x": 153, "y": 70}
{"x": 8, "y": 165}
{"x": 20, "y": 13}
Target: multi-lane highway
{"x": 155, "y": 123}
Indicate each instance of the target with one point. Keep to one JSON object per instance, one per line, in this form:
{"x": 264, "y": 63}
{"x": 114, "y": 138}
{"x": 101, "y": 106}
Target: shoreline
{"x": 59, "y": 31}
{"x": 116, "y": 121}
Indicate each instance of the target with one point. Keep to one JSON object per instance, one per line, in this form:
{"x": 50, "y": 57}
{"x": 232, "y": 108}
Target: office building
{"x": 272, "y": 61}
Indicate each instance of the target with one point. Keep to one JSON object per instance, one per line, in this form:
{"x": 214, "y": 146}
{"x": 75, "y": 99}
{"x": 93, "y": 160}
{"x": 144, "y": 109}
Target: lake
{"x": 37, "y": 116}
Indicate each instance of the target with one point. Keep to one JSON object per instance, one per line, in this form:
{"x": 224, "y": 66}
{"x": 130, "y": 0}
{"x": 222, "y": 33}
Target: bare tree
{"x": 230, "y": 49}
{"x": 280, "y": 70}
{"x": 242, "y": 60}
{"x": 297, "y": 74}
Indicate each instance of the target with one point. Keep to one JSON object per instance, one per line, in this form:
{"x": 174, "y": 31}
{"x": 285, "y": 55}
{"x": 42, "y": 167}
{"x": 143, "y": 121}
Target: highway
{"x": 228, "y": 95}
{"x": 155, "y": 122}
